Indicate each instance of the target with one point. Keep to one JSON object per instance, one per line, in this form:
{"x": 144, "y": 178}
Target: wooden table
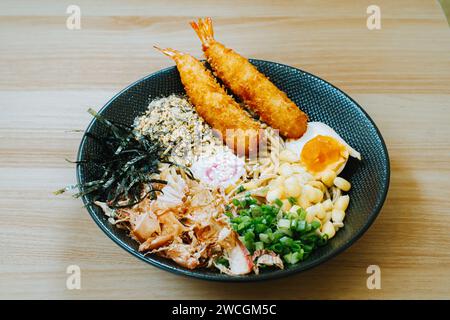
{"x": 50, "y": 75}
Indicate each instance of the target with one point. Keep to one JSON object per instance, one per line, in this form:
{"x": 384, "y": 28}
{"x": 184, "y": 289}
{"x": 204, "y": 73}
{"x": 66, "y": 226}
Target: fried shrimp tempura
{"x": 238, "y": 130}
{"x": 271, "y": 104}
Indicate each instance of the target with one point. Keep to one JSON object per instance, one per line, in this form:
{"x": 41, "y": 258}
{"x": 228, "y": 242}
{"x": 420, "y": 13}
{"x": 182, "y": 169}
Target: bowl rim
{"x": 276, "y": 274}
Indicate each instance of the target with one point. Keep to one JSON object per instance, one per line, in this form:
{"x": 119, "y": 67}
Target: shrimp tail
{"x": 168, "y": 51}
{"x": 204, "y": 30}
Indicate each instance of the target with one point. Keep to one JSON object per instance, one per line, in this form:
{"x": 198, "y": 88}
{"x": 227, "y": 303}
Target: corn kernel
{"x": 312, "y": 194}
{"x": 318, "y": 211}
{"x": 318, "y": 185}
{"x": 286, "y": 205}
{"x": 328, "y": 177}
{"x": 288, "y": 156}
{"x": 342, "y": 184}
{"x": 338, "y": 225}
{"x": 327, "y": 205}
{"x": 327, "y": 217}
{"x": 328, "y": 229}
{"x": 273, "y": 194}
{"x": 303, "y": 202}
{"x": 292, "y": 187}
{"x": 296, "y": 168}
{"x": 310, "y": 215}
{"x": 342, "y": 202}
{"x": 285, "y": 170}
{"x": 277, "y": 182}
{"x": 337, "y": 215}
{"x": 321, "y": 213}
{"x": 303, "y": 177}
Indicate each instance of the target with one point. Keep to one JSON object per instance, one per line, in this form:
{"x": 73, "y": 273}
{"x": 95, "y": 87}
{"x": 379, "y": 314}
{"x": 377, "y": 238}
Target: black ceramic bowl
{"x": 322, "y": 102}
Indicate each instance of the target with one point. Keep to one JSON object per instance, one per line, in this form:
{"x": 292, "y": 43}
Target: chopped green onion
{"x": 267, "y": 209}
{"x": 277, "y": 247}
{"x": 228, "y": 214}
{"x": 292, "y": 215}
{"x": 308, "y": 227}
{"x": 249, "y": 235}
{"x": 294, "y": 224}
{"x": 286, "y": 231}
{"x": 264, "y": 237}
{"x": 296, "y": 246}
{"x": 294, "y": 257}
{"x": 265, "y": 226}
{"x": 322, "y": 240}
{"x": 301, "y": 225}
{"x": 286, "y": 241}
{"x": 315, "y": 224}
{"x": 258, "y": 220}
{"x": 243, "y": 225}
{"x": 259, "y": 245}
{"x": 301, "y": 214}
{"x": 244, "y": 212}
{"x": 243, "y": 203}
{"x": 222, "y": 261}
{"x": 255, "y": 210}
{"x": 260, "y": 228}
{"x": 250, "y": 200}
{"x": 278, "y": 202}
{"x": 284, "y": 223}
{"x": 288, "y": 258}
{"x": 277, "y": 235}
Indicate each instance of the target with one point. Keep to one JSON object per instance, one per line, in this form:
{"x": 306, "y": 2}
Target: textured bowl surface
{"x": 322, "y": 102}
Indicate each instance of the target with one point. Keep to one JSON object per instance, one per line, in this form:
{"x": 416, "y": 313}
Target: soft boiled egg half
{"x": 321, "y": 149}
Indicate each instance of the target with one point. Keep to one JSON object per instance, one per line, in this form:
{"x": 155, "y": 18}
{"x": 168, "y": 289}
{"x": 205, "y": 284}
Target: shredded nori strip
{"x": 126, "y": 165}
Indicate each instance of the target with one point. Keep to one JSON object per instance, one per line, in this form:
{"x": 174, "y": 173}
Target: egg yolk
{"x": 321, "y": 153}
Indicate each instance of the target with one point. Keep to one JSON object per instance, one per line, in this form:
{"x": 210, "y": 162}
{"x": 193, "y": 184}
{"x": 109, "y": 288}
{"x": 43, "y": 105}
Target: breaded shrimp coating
{"x": 255, "y": 89}
{"x": 235, "y": 126}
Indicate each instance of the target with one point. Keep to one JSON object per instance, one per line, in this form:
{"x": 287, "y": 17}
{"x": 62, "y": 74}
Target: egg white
{"x": 313, "y": 130}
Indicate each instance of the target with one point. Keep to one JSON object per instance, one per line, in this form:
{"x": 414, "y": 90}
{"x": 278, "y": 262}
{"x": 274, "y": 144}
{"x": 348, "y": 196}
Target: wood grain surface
{"x": 50, "y": 75}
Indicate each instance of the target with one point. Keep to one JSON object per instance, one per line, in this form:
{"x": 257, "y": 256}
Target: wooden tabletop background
{"x": 50, "y": 75}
